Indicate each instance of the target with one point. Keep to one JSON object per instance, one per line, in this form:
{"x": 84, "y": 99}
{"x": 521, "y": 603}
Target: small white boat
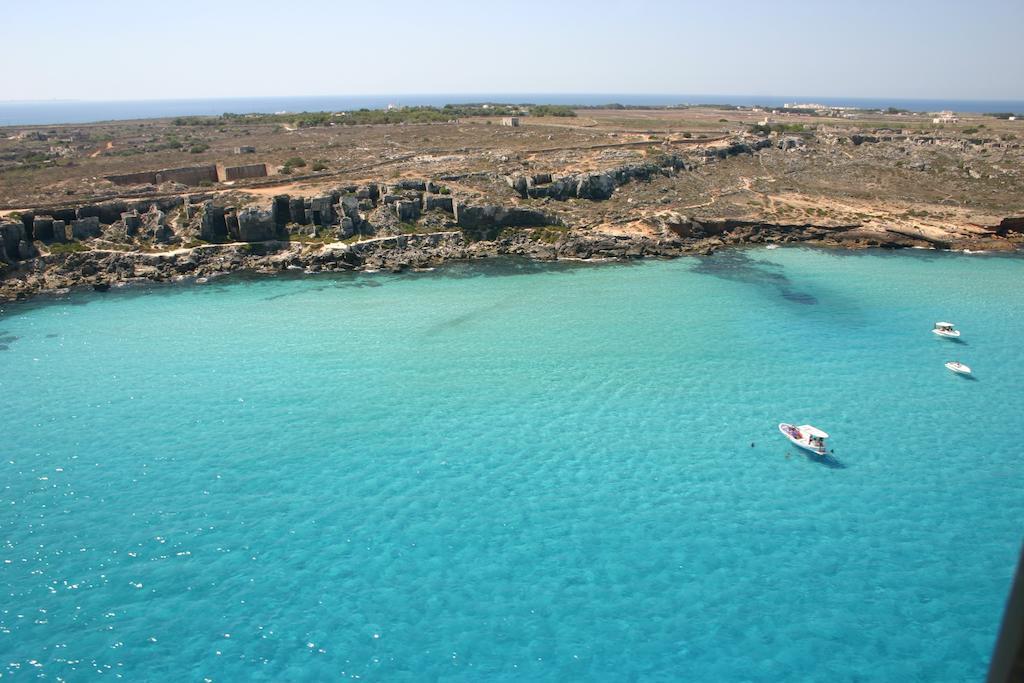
{"x": 947, "y": 330}
{"x": 958, "y": 367}
{"x": 805, "y": 436}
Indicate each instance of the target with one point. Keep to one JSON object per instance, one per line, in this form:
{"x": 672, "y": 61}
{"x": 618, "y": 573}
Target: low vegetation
{"x": 364, "y": 116}
{"x": 765, "y": 129}
{"x": 67, "y": 247}
{"x": 549, "y": 234}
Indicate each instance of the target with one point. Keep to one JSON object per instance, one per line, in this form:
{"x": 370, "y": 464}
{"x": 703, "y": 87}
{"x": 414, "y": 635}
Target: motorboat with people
{"x": 946, "y": 330}
{"x": 958, "y": 367}
{"x": 805, "y": 436}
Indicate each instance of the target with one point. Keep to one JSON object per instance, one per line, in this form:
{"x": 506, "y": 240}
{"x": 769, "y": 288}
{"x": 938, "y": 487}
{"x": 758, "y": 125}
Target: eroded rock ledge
{"x": 413, "y": 223}
{"x": 102, "y": 269}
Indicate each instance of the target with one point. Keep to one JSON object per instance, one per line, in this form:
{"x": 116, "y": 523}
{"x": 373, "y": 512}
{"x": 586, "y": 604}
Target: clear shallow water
{"x": 480, "y": 472}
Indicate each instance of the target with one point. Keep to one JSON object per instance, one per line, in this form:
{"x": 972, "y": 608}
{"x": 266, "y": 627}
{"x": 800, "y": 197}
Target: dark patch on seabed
{"x": 6, "y": 340}
{"x": 464, "y": 318}
{"x": 738, "y": 267}
{"x": 454, "y": 270}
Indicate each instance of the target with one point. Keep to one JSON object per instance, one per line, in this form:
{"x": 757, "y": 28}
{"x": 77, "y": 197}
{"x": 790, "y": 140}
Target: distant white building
{"x": 511, "y": 121}
{"x": 945, "y": 117}
{"x": 1012, "y": 118}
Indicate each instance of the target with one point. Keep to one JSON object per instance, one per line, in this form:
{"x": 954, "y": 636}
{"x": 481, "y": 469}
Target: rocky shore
{"x": 102, "y": 268}
{"x": 621, "y": 212}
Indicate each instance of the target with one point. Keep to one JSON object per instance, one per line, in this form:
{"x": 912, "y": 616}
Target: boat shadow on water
{"x": 828, "y": 460}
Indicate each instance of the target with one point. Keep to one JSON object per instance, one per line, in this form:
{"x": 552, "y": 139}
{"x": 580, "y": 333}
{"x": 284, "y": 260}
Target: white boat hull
{"x": 801, "y": 442}
{"x": 958, "y": 368}
{"x": 955, "y": 334}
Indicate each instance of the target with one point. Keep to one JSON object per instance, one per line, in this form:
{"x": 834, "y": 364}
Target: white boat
{"x": 805, "y": 436}
{"x": 947, "y": 330}
{"x": 958, "y": 367}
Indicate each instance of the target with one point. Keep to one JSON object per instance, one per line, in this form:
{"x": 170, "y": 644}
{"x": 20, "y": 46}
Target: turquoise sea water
{"x": 505, "y": 471}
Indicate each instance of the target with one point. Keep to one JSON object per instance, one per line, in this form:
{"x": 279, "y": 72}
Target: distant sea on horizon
{"x": 83, "y": 111}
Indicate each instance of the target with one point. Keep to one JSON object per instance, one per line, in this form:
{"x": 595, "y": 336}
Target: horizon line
{"x": 513, "y": 94}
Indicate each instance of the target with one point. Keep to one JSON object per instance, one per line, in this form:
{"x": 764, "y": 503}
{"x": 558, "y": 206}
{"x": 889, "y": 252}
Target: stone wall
{"x": 241, "y": 172}
{"x": 186, "y": 175}
{"x": 191, "y": 175}
{"x": 140, "y": 178}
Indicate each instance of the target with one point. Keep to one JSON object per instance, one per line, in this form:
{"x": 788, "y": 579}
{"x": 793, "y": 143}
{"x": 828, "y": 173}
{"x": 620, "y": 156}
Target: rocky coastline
{"x": 420, "y": 223}
{"x": 102, "y": 269}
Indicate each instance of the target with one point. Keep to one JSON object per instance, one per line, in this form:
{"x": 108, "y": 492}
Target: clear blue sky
{"x": 137, "y": 49}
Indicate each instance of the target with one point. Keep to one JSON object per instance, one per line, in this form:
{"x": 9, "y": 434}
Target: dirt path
{"x": 110, "y": 145}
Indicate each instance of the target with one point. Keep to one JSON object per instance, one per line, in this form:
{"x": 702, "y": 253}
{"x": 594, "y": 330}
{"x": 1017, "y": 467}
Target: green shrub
{"x": 198, "y": 148}
{"x": 552, "y": 110}
{"x": 67, "y": 247}
{"x": 759, "y": 129}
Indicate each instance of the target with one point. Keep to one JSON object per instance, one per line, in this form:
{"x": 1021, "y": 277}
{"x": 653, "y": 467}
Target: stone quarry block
{"x": 519, "y": 184}
{"x": 87, "y": 211}
{"x": 595, "y": 186}
{"x": 256, "y": 225}
{"x": 322, "y": 210}
{"x": 110, "y": 212}
{"x": 407, "y": 184}
{"x": 297, "y": 210}
{"x": 213, "y": 227}
{"x": 350, "y": 207}
{"x": 407, "y": 210}
{"x": 59, "y": 231}
{"x": 42, "y": 228}
{"x": 347, "y": 228}
{"x": 484, "y": 217}
{"x": 281, "y": 208}
{"x": 66, "y": 215}
{"x": 163, "y": 234}
{"x": 438, "y": 203}
{"x": 231, "y": 221}
{"x": 11, "y": 235}
{"x": 374, "y": 192}
{"x": 132, "y": 223}
{"x": 85, "y": 228}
